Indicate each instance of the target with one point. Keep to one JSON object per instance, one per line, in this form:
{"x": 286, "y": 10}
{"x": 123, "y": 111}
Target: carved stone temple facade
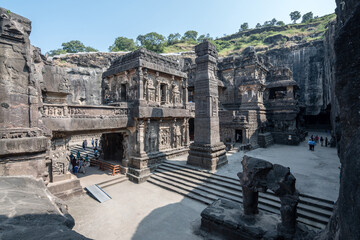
{"x": 155, "y": 89}
{"x": 136, "y": 103}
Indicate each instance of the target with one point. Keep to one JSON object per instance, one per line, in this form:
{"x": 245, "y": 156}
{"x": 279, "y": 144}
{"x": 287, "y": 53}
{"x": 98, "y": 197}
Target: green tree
{"x": 307, "y": 17}
{"x": 203, "y": 37}
{"x": 280, "y": 23}
{"x": 258, "y": 25}
{"x": 273, "y": 21}
{"x": 56, "y": 52}
{"x": 173, "y": 38}
{"x": 152, "y": 41}
{"x": 73, "y": 46}
{"x": 190, "y": 35}
{"x": 90, "y": 49}
{"x": 243, "y": 27}
{"x": 294, "y": 16}
{"x": 267, "y": 23}
{"x": 123, "y": 44}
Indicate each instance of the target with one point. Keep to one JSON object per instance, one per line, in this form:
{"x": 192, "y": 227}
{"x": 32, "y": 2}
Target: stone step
{"x": 63, "y": 185}
{"x": 70, "y": 193}
{"x": 179, "y": 191}
{"x": 199, "y": 177}
{"x": 311, "y": 210}
{"x": 305, "y": 199}
{"x": 196, "y": 192}
{"x": 271, "y": 201}
{"x": 203, "y": 173}
{"x": 112, "y": 182}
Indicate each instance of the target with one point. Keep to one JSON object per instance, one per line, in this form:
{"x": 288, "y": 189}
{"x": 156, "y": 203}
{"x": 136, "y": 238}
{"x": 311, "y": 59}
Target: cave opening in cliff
{"x": 112, "y": 147}
{"x": 320, "y": 121}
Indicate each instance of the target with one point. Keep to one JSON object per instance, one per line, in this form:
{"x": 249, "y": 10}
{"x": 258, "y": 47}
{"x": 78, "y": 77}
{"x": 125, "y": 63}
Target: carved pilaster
{"x": 141, "y": 136}
{"x": 185, "y": 91}
{"x": 140, "y": 76}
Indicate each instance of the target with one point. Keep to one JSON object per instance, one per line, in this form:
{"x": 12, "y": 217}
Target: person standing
{"x": 310, "y": 143}
{"x": 322, "y": 141}
{"x": 92, "y": 142}
{"x": 73, "y": 162}
{"x": 96, "y": 143}
{"x": 78, "y": 154}
{"x": 83, "y": 145}
{"x": 326, "y": 141}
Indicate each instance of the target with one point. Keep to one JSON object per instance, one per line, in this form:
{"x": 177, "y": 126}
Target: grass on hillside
{"x": 310, "y": 31}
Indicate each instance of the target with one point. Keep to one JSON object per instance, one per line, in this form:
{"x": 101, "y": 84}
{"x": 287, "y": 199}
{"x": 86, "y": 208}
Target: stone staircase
{"x": 265, "y": 140}
{"x": 206, "y": 187}
{"x": 83, "y": 152}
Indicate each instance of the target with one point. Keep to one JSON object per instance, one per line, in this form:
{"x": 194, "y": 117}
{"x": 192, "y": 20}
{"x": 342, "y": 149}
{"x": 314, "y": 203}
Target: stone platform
{"x": 226, "y": 219}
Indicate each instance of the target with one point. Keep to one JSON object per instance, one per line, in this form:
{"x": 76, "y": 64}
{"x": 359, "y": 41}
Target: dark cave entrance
{"x": 191, "y": 129}
{"x": 320, "y": 121}
{"x": 112, "y": 146}
{"x": 238, "y": 135}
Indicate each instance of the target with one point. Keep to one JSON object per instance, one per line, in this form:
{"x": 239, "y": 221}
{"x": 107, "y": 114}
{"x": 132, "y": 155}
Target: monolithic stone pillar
{"x": 207, "y": 151}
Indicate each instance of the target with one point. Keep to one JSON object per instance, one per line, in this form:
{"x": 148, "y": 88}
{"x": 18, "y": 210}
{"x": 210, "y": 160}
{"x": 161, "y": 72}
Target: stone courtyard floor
{"x": 145, "y": 211}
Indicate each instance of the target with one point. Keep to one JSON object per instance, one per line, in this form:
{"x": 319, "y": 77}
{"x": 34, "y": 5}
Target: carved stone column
{"x": 186, "y": 131}
{"x": 185, "y": 90}
{"x": 141, "y": 137}
{"x": 207, "y": 151}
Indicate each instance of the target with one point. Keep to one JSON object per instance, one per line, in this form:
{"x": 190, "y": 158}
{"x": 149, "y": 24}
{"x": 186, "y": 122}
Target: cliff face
{"x": 345, "y": 221}
{"x": 306, "y": 61}
{"x": 84, "y": 74}
{"x": 347, "y": 92}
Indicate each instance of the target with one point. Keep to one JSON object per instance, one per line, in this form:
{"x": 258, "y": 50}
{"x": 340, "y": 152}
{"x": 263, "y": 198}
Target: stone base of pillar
{"x": 210, "y": 157}
{"x": 138, "y": 175}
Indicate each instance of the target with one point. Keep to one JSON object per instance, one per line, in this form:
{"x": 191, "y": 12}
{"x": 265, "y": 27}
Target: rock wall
{"x": 345, "y": 221}
{"x": 29, "y": 211}
{"x": 84, "y": 73}
{"x": 306, "y": 61}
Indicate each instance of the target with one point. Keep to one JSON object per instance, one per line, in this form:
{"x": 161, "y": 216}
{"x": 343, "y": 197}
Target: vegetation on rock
{"x": 73, "y": 46}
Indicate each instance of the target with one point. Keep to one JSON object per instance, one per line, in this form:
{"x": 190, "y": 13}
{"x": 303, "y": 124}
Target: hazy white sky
{"x": 97, "y": 23}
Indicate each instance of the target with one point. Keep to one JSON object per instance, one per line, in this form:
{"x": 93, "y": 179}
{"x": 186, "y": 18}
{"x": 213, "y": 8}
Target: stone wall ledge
{"x": 23, "y": 145}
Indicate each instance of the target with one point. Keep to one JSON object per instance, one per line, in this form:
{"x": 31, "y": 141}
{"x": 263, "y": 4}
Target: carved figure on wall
{"x": 164, "y": 137}
{"x": 175, "y": 93}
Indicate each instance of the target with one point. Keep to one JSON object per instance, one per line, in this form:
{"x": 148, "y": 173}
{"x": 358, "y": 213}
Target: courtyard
{"x": 146, "y": 211}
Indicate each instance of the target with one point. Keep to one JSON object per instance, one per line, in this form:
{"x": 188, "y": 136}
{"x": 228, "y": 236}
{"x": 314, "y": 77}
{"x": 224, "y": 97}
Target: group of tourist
{"x": 78, "y": 163}
{"x": 315, "y": 139}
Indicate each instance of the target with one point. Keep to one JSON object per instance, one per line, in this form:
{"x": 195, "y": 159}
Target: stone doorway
{"x": 191, "y": 129}
{"x": 112, "y": 147}
{"x": 238, "y": 136}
